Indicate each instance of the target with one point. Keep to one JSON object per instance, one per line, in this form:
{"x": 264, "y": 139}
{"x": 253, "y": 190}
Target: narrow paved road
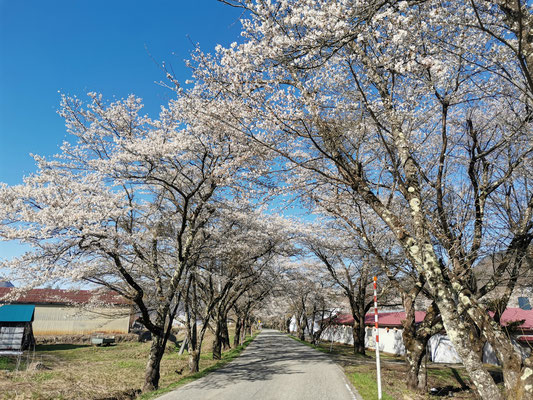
{"x": 273, "y": 367}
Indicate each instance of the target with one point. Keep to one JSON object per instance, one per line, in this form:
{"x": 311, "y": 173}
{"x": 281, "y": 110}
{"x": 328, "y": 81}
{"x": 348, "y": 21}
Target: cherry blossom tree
{"x": 351, "y": 272}
{"x": 422, "y": 112}
{"x": 307, "y": 297}
{"x": 251, "y": 304}
{"x": 246, "y": 262}
{"x": 235, "y": 270}
{"x": 354, "y": 248}
{"x": 129, "y": 204}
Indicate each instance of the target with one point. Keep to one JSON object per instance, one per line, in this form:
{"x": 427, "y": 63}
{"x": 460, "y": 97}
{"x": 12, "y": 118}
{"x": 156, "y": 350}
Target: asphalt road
{"x": 272, "y": 367}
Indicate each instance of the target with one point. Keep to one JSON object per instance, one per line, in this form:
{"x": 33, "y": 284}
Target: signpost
{"x": 377, "y": 335}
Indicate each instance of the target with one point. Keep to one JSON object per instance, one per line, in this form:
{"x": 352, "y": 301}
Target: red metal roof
{"x": 342, "y": 319}
{"x": 394, "y": 319}
{"x": 517, "y": 314}
{"x": 390, "y": 319}
{"x": 60, "y": 296}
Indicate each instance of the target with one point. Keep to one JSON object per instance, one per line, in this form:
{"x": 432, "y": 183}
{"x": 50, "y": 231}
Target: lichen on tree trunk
{"x": 455, "y": 327}
{"x": 414, "y": 357}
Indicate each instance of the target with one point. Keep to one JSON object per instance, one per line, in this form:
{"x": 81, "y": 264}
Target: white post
{"x": 378, "y": 366}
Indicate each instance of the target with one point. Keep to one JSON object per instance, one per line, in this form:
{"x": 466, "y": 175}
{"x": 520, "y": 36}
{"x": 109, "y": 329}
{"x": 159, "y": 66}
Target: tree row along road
{"x": 272, "y": 367}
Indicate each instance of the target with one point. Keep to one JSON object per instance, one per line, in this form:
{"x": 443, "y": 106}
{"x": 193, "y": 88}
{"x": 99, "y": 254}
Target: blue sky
{"x": 79, "y": 46}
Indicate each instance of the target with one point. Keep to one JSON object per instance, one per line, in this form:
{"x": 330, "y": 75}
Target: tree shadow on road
{"x": 270, "y": 354}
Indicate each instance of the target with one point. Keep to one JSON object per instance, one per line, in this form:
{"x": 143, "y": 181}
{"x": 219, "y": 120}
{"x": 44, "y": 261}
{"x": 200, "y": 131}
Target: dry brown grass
{"x": 89, "y": 372}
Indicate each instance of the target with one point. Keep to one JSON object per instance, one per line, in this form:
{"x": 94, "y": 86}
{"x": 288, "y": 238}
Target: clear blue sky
{"x": 79, "y": 46}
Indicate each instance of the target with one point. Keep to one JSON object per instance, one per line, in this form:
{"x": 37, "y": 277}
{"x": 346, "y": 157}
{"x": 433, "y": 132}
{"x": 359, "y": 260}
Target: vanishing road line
{"x": 273, "y": 367}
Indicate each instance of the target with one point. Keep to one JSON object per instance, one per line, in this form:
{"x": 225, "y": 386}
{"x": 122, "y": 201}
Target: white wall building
{"x": 440, "y": 348}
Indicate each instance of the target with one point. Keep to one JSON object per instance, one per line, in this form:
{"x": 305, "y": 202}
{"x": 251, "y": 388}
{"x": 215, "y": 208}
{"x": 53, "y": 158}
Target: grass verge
{"x": 361, "y": 372}
{"x": 226, "y": 358}
{"x": 79, "y": 371}
{"x": 365, "y": 383}
{"x": 323, "y": 350}
{"x": 9, "y": 363}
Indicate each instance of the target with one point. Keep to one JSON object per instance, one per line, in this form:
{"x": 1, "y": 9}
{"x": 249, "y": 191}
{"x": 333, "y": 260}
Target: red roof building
{"x": 511, "y": 315}
{"x": 386, "y": 319}
{"x": 60, "y": 296}
{"x": 394, "y": 319}
{"x": 73, "y": 312}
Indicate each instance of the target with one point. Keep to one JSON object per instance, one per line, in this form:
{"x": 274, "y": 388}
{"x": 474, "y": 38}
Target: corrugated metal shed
{"x": 57, "y": 320}
{"x": 16, "y": 313}
{"x": 74, "y": 312}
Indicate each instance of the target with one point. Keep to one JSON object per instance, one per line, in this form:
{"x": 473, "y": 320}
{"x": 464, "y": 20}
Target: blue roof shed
{"x": 16, "y": 313}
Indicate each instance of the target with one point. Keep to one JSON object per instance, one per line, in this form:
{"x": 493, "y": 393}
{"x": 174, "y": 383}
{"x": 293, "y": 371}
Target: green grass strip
{"x": 226, "y": 358}
{"x": 366, "y": 385}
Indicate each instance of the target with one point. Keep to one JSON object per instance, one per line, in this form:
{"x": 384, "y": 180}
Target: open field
{"x": 89, "y": 372}
{"x": 361, "y": 371}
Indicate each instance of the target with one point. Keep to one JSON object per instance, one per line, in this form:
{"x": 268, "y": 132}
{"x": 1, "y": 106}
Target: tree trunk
{"x": 312, "y": 327}
{"x": 358, "y": 333}
{"x": 302, "y": 324}
{"x": 523, "y": 387}
{"x": 316, "y": 336}
{"x": 160, "y": 336}
{"x": 192, "y": 345}
{"x": 517, "y": 373}
{"x": 217, "y": 349}
{"x": 225, "y": 334}
{"x": 415, "y": 338}
{"x": 301, "y": 332}
{"x": 152, "y": 375}
{"x": 194, "y": 360}
{"x": 243, "y": 329}
{"x": 221, "y": 337}
{"x": 415, "y": 350}
{"x": 478, "y": 342}
{"x": 217, "y": 342}
{"x": 237, "y": 337}
{"x": 250, "y": 326}
{"x": 423, "y": 373}
{"x": 458, "y": 334}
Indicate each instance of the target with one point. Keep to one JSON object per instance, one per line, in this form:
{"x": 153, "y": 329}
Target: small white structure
{"x": 441, "y": 350}
{"x": 390, "y": 337}
{"x": 293, "y": 326}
